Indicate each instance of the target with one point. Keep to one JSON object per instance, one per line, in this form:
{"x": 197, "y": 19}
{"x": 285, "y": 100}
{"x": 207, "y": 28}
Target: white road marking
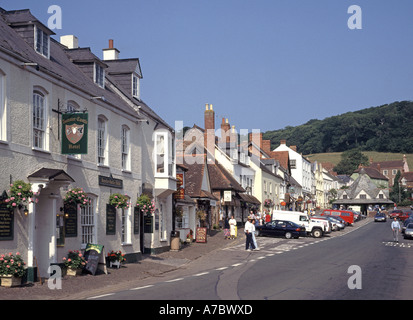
{"x": 101, "y": 296}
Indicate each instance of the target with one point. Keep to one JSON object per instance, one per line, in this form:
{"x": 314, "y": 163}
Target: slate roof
{"x": 363, "y": 183}
{"x": 372, "y": 173}
{"x": 221, "y": 179}
{"x": 61, "y": 66}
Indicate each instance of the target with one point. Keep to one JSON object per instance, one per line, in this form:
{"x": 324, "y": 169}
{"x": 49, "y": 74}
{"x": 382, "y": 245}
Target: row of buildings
{"x": 70, "y": 120}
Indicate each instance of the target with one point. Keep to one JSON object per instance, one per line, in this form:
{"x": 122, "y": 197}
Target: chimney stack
{"x": 111, "y": 53}
{"x": 70, "y": 41}
{"x": 209, "y": 133}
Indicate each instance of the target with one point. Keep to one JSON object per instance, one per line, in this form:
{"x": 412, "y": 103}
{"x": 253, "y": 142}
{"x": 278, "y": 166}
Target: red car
{"x": 398, "y": 214}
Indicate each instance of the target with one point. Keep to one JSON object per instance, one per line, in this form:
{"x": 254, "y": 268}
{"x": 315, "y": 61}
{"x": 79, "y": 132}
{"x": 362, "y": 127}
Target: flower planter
{"x": 10, "y": 281}
{"x": 73, "y": 272}
{"x": 114, "y": 264}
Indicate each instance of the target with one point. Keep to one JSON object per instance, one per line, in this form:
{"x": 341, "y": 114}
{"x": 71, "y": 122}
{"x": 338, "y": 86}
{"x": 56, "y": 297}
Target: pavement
{"x": 86, "y": 285}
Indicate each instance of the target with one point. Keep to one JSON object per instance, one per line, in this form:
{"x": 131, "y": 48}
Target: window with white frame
{"x": 125, "y": 226}
{"x": 125, "y": 133}
{"x": 135, "y": 86}
{"x": 87, "y": 223}
{"x": 41, "y": 42}
{"x": 164, "y": 154}
{"x": 102, "y": 148}
{"x": 99, "y": 75}
{"x": 3, "y": 114}
{"x": 39, "y": 120}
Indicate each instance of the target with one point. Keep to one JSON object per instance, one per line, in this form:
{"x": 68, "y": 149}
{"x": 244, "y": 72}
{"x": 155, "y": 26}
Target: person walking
{"x": 248, "y": 229}
{"x": 254, "y": 240}
{"x": 233, "y": 227}
{"x": 226, "y": 228}
{"x": 395, "y": 226}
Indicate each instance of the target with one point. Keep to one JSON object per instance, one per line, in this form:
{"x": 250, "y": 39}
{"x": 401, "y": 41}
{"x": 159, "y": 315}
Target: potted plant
{"x": 11, "y": 269}
{"x": 119, "y": 200}
{"x": 76, "y": 196}
{"x": 21, "y": 195}
{"x": 74, "y": 262}
{"x": 145, "y": 204}
{"x": 268, "y": 203}
{"x": 115, "y": 258}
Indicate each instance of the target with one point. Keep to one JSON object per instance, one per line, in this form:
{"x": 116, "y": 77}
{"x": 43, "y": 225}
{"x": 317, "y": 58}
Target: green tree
{"x": 350, "y": 160}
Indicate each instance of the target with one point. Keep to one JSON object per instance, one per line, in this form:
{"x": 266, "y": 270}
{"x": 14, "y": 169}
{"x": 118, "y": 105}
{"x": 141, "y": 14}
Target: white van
{"x": 315, "y": 227}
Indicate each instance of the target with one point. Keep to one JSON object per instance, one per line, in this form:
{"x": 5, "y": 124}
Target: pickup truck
{"x": 313, "y": 226}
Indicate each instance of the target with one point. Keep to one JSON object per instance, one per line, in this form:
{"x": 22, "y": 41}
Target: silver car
{"x": 408, "y": 233}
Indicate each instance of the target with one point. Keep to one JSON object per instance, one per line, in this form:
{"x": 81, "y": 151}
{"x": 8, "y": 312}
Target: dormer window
{"x": 41, "y": 42}
{"x": 99, "y": 75}
{"x": 135, "y": 86}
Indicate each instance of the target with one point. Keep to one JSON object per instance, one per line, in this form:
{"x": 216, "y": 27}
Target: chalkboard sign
{"x": 6, "y": 220}
{"x": 201, "y": 234}
{"x": 136, "y": 220}
{"x": 148, "y": 224}
{"x": 94, "y": 254}
{"x": 110, "y": 219}
{"x": 70, "y": 210}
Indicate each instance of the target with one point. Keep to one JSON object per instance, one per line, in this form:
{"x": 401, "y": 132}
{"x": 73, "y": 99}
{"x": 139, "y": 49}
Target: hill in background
{"x": 387, "y": 128}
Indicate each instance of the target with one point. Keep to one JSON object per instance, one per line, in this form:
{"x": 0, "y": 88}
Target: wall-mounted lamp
{"x": 98, "y": 97}
{"x": 143, "y": 120}
{"x": 26, "y": 211}
{"x": 33, "y": 64}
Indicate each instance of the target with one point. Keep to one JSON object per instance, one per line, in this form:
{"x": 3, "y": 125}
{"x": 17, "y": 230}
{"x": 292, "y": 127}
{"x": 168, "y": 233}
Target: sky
{"x": 263, "y": 64}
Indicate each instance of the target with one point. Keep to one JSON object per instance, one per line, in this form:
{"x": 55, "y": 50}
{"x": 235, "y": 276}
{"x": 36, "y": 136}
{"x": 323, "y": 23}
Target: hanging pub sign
{"x": 74, "y": 133}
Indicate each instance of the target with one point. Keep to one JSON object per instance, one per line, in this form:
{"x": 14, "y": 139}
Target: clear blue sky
{"x": 264, "y": 64}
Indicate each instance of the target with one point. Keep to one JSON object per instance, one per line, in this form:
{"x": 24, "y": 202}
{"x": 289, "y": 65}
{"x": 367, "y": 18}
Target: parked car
{"x": 346, "y": 215}
{"x": 380, "y": 216}
{"x": 281, "y": 228}
{"x": 340, "y": 223}
{"x": 314, "y": 227}
{"x": 408, "y": 233}
{"x": 405, "y": 223}
{"x": 398, "y": 214}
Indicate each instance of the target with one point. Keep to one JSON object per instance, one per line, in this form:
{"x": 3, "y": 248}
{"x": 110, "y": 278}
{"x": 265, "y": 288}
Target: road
{"x": 297, "y": 269}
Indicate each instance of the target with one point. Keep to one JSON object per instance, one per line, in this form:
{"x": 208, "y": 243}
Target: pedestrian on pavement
{"x": 233, "y": 227}
{"x": 226, "y": 228}
{"x": 395, "y": 226}
{"x": 254, "y": 240}
{"x": 248, "y": 229}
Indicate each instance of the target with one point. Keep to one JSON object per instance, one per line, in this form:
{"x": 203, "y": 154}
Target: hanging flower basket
{"x": 119, "y": 201}
{"x": 201, "y": 215}
{"x": 21, "y": 195}
{"x": 145, "y": 204}
{"x": 76, "y": 196}
{"x": 268, "y": 203}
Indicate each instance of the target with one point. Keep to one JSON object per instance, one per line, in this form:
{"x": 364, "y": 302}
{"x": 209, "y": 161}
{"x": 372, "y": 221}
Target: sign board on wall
{"x": 74, "y": 133}
{"x": 227, "y": 195}
{"x": 6, "y": 219}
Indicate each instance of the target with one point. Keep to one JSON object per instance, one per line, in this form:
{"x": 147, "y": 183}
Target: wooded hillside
{"x": 387, "y": 128}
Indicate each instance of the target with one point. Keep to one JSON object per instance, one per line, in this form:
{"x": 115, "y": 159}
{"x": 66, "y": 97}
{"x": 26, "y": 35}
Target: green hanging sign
{"x": 74, "y": 133}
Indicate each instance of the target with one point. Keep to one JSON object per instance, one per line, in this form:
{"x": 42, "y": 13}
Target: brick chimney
{"x": 293, "y": 148}
{"x": 209, "y": 134}
{"x": 111, "y": 53}
{"x": 283, "y": 141}
{"x": 225, "y": 131}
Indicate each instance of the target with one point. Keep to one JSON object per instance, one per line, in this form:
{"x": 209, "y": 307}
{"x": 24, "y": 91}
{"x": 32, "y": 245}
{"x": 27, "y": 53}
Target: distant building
{"x": 389, "y": 169}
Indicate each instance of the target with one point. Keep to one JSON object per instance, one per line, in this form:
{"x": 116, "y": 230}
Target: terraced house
{"x": 70, "y": 120}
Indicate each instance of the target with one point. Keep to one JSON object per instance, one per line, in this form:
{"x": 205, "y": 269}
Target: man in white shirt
{"x": 395, "y": 226}
{"x": 249, "y": 229}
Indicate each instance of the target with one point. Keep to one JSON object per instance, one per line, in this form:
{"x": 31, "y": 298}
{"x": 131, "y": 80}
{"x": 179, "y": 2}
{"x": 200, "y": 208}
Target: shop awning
{"x": 249, "y": 198}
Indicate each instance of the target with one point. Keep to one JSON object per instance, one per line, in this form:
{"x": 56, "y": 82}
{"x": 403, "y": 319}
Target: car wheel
{"x": 317, "y": 233}
{"x": 288, "y": 235}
